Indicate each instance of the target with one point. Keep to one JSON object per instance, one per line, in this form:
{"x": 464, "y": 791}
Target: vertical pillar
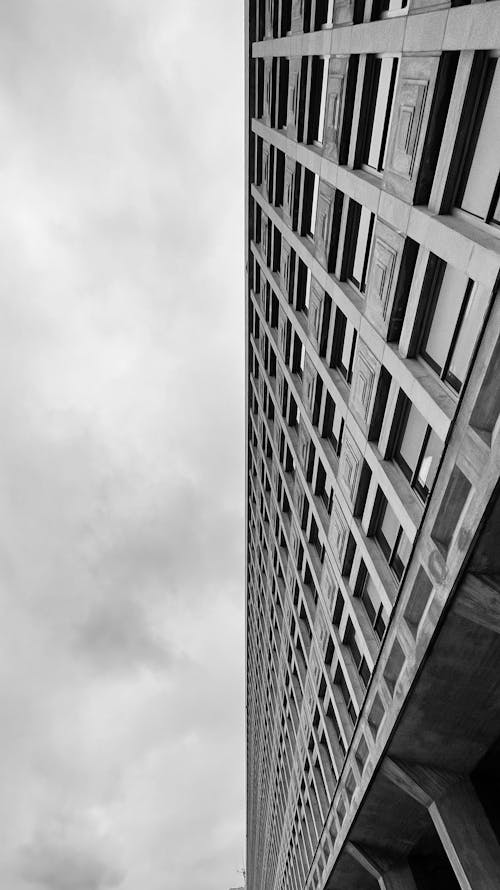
{"x": 467, "y": 837}
{"x": 398, "y": 878}
{"x": 459, "y": 819}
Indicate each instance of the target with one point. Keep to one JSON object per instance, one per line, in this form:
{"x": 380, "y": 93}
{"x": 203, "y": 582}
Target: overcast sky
{"x": 121, "y": 452}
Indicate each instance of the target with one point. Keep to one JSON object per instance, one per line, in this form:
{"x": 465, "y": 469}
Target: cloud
{"x": 121, "y": 457}
{"x": 68, "y": 854}
{"x": 117, "y": 635}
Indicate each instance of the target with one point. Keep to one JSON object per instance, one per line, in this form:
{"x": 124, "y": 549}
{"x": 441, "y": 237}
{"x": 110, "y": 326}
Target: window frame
{"x": 358, "y": 657}
{"x": 389, "y": 553}
{"x": 349, "y": 703}
{"x": 444, "y": 372}
{"x": 475, "y": 105}
{"x": 375, "y": 615}
{"x": 355, "y": 212}
{"x": 381, "y": 12}
{"x": 309, "y": 202}
{"x": 411, "y": 475}
{"x": 314, "y": 207}
{"x": 344, "y": 370}
{"x": 319, "y": 139}
{"x": 328, "y": 426}
{"x": 371, "y": 85}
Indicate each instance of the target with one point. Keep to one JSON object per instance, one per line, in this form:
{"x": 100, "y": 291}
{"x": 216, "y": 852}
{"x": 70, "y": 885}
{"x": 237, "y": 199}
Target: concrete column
{"x": 460, "y": 821}
{"x": 397, "y": 878}
{"x": 467, "y": 837}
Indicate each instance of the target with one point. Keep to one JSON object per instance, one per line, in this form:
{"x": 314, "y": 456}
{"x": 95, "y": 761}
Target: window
{"x": 339, "y": 609}
{"x": 322, "y": 490}
{"x": 322, "y": 107}
{"x": 454, "y": 325}
{"x": 479, "y": 192}
{"x": 286, "y": 18}
{"x": 312, "y": 227}
{"x": 331, "y": 718}
{"x": 308, "y": 290}
{"x": 367, "y": 592}
{"x": 298, "y": 358}
{"x": 387, "y": 8}
{"x": 279, "y": 182}
{"x": 292, "y": 413}
{"x": 309, "y": 203}
{"x": 391, "y": 538}
{"x": 322, "y": 10}
{"x": 418, "y": 450}
{"x": 361, "y": 231}
{"x": 303, "y": 287}
{"x": 345, "y": 346}
{"x": 358, "y": 659}
{"x": 257, "y": 278}
{"x": 306, "y": 7}
{"x": 302, "y": 359}
{"x": 337, "y": 432}
{"x": 333, "y": 425}
{"x": 340, "y": 681}
{"x": 282, "y": 92}
{"x": 314, "y": 539}
{"x": 258, "y": 161}
{"x": 381, "y": 80}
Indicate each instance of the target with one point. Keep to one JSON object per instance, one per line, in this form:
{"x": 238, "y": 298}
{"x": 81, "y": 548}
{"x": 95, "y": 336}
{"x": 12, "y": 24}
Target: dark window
{"x": 380, "y": 80}
{"x": 386, "y": 8}
{"x": 370, "y": 598}
{"x": 417, "y": 451}
{"x": 303, "y": 287}
{"x": 344, "y": 345}
{"x": 479, "y": 189}
{"x": 309, "y": 203}
{"x": 338, "y": 610}
{"x": 458, "y": 308}
{"x": 333, "y": 424}
{"x": 358, "y": 244}
{"x": 392, "y": 540}
{"x": 340, "y": 681}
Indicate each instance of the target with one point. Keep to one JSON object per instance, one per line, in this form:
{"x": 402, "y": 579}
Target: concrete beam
{"x": 478, "y": 600}
{"x": 370, "y": 860}
{"x": 425, "y": 784}
{"x": 389, "y": 875}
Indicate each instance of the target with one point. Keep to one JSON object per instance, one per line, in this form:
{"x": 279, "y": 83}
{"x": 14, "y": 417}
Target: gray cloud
{"x": 116, "y": 635}
{"x": 68, "y": 855}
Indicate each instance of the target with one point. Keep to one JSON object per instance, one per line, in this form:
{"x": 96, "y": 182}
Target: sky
{"x": 122, "y": 445}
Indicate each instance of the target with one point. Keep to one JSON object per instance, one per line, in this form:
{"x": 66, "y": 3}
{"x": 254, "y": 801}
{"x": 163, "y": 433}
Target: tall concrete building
{"x": 373, "y": 395}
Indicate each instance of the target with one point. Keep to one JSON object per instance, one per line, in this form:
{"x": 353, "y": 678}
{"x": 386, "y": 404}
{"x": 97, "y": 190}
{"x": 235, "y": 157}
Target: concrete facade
{"x": 373, "y": 398}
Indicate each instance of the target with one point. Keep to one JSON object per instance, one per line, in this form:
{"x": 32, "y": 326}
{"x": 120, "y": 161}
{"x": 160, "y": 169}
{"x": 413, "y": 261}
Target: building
{"x": 373, "y": 395}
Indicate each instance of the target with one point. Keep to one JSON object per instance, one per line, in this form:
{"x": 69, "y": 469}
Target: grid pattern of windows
{"x": 369, "y": 201}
